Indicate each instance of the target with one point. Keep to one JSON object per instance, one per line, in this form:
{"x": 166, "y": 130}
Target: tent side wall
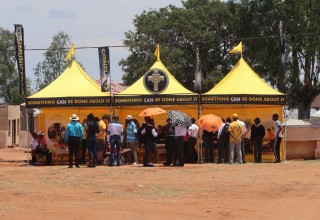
{"x": 248, "y": 113}
{"x": 52, "y": 120}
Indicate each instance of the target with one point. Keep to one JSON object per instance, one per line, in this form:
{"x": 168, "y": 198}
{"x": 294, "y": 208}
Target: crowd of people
{"x": 107, "y": 136}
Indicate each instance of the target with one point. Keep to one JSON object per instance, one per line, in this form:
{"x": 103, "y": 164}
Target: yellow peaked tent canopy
{"x": 245, "y": 85}
{"x": 174, "y": 87}
{"x": 72, "y": 88}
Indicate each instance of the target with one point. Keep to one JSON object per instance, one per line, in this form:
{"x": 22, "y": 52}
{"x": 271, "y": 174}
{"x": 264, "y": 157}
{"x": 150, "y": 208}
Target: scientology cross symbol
{"x": 155, "y": 78}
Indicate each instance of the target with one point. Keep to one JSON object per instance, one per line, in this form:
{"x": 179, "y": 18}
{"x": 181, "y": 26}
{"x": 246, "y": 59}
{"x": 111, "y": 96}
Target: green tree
{"x": 54, "y": 63}
{"x": 9, "y": 79}
{"x": 201, "y": 24}
{"x": 302, "y": 26}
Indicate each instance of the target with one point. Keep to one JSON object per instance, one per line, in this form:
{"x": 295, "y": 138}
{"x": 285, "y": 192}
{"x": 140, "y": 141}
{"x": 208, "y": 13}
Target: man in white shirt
{"x": 115, "y": 138}
{"x": 192, "y": 140}
{"x": 278, "y": 137}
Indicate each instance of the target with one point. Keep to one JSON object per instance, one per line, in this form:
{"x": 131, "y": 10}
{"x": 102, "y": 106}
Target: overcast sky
{"x": 89, "y": 23}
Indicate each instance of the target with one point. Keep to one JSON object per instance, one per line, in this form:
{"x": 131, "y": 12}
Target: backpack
{"x": 225, "y": 130}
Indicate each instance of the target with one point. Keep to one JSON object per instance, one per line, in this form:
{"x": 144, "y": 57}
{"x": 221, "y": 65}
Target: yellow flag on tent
{"x": 157, "y": 52}
{"x": 70, "y": 53}
{"x": 237, "y": 49}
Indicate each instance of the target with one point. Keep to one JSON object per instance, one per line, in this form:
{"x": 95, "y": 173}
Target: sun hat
{"x": 235, "y": 115}
{"x": 129, "y": 117}
{"x": 74, "y": 117}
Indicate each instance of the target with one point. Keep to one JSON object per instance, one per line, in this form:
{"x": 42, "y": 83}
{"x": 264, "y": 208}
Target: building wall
{"x": 301, "y": 141}
{"x": 10, "y": 126}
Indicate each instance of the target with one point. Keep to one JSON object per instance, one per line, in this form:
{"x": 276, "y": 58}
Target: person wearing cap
{"x": 257, "y": 134}
{"x": 43, "y": 148}
{"x": 243, "y": 152}
{"x": 236, "y": 131}
{"x": 278, "y": 137}
{"x": 115, "y": 138}
{"x": 131, "y": 140}
{"x": 74, "y": 135}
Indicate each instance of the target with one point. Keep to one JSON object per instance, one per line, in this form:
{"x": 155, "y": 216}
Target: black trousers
{"x": 257, "y": 144}
{"x": 276, "y": 148}
{"x": 224, "y": 149}
{"x": 170, "y": 142}
{"x": 191, "y": 142}
{"x": 180, "y": 150}
{"x": 73, "y": 146}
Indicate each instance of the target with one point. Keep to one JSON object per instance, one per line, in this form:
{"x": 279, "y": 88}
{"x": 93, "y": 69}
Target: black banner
{"x": 68, "y": 102}
{"x": 244, "y": 99}
{"x": 19, "y": 41}
{"x": 104, "y": 61}
{"x": 155, "y": 100}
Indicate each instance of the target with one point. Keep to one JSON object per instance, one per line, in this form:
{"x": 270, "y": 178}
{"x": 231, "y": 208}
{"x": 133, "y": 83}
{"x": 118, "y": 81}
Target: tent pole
{"x": 26, "y": 136}
{"x": 285, "y": 135}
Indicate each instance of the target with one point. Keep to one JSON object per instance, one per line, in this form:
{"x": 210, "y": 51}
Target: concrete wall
{"x": 302, "y": 141}
{"x": 10, "y": 126}
{"x": 3, "y": 138}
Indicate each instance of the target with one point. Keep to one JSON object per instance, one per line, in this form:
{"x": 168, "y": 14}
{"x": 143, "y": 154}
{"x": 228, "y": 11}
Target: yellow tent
{"x": 73, "y": 92}
{"x": 156, "y": 87}
{"x": 73, "y": 88}
{"x": 243, "y": 92}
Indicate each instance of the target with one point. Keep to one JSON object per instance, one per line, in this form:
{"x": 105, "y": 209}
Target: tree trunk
{"x": 304, "y": 110}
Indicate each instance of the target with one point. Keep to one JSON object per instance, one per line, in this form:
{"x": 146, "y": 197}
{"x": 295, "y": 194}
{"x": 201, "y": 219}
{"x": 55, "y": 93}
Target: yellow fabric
{"x": 60, "y": 117}
{"x": 174, "y": 87}
{"x": 102, "y": 127}
{"x": 70, "y": 53}
{"x": 242, "y": 80}
{"x": 73, "y": 82}
{"x": 237, "y": 49}
{"x": 157, "y": 52}
{"x": 235, "y": 129}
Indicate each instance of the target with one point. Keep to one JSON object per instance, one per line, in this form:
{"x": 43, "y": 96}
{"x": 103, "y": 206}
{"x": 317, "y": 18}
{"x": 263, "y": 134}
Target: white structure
{"x": 10, "y": 125}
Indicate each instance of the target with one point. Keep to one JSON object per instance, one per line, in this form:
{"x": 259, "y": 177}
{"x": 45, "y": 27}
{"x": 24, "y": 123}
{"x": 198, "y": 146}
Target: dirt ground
{"x": 197, "y": 191}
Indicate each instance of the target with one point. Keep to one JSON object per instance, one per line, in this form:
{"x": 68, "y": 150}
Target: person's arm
{"x": 154, "y": 133}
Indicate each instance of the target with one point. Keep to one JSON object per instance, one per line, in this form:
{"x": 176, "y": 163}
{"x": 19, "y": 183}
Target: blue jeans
{"x": 115, "y": 142}
{"x": 92, "y": 147}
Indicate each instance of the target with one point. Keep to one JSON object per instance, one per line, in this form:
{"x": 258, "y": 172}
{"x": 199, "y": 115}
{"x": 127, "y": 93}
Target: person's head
{"x": 268, "y": 130}
{"x": 34, "y": 135}
{"x": 40, "y": 134}
{"x": 129, "y": 118}
{"x": 106, "y": 118}
{"x": 275, "y": 117}
{"x": 193, "y": 120}
{"x": 115, "y": 118}
{"x": 151, "y": 121}
{"x": 146, "y": 119}
{"x": 90, "y": 117}
{"x": 228, "y": 119}
{"x": 169, "y": 120}
{"x": 257, "y": 121}
{"x": 235, "y": 117}
{"x": 74, "y": 117}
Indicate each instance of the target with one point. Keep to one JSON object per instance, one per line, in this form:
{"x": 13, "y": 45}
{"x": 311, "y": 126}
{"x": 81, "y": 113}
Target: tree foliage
{"x": 54, "y": 63}
{"x": 9, "y": 79}
{"x": 215, "y": 27}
